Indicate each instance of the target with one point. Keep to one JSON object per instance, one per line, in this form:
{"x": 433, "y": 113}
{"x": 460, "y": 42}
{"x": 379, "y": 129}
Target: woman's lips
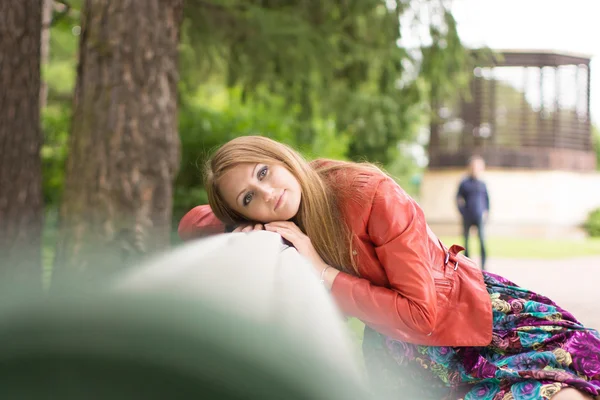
{"x": 280, "y": 201}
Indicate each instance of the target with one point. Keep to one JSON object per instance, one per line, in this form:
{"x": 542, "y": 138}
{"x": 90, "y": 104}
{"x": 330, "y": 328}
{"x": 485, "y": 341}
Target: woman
{"x": 431, "y": 315}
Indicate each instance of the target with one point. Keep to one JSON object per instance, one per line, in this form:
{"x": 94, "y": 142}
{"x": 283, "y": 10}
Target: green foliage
{"x": 59, "y": 74}
{"x": 336, "y": 59}
{"x": 592, "y": 224}
{"x": 210, "y": 118}
{"x": 55, "y": 124}
{"x": 327, "y": 77}
{"x": 406, "y": 172}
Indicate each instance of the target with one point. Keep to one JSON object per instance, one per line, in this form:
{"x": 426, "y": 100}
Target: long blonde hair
{"x": 319, "y": 215}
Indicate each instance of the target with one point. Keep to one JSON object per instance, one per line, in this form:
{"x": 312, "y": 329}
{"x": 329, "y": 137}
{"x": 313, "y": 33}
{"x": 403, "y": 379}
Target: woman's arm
{"x": 407, "y": 308}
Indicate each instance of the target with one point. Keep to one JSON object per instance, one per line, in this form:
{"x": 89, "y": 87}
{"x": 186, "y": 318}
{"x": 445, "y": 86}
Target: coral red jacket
{"x": 411, "y": 287}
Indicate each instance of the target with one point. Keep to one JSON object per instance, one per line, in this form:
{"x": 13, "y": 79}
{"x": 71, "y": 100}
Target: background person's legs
{"x": 466, "y": 228}
{"x": 481, "y": 234}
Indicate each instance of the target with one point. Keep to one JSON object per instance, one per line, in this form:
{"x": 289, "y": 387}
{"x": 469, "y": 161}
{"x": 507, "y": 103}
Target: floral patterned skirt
{"x": 537, "y": 349}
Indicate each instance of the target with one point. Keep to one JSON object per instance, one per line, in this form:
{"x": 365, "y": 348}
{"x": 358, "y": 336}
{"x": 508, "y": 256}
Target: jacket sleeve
{"x": 398, "y": 231}
{"x": 198, "y": 222}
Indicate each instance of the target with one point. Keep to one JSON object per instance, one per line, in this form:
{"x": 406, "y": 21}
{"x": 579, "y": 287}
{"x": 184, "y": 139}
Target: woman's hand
{"x": 249, "y": 228}
{"x": 290, "y": 231}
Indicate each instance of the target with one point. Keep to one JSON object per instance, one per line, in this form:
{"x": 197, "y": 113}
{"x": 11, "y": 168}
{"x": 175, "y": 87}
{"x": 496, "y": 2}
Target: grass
{"x": 503, "y": 247}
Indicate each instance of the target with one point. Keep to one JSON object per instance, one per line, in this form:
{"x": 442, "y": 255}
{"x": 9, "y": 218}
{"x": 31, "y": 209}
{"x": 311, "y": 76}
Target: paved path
{"x": 574, "y": 284}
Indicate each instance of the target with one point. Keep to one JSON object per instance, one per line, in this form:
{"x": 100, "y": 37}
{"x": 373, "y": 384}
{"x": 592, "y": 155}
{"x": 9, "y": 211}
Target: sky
{"x": 560, "y": 25}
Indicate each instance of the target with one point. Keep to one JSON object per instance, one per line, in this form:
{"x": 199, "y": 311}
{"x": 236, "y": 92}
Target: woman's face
{"x": 261, "y": 192}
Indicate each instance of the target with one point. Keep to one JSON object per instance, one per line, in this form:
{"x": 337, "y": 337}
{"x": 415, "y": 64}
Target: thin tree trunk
{"x": 124, "y": 145}
{"x": 21, "y": 202}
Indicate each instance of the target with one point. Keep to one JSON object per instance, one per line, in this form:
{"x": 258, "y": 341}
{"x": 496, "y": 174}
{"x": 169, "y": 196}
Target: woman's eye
{"x": 263, "y": 172}
{"x": 247, "y": 199}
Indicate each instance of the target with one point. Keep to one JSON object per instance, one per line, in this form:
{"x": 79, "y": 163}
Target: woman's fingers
{"x": 288, "y": 230}
{"x": 249, "y": 228}
{"x": 286, "y": 233}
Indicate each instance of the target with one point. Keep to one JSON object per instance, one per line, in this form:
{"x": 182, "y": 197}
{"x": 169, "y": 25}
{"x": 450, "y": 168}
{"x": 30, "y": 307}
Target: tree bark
{"x": 21, "y": 202}
{"x": 124, "y": 145}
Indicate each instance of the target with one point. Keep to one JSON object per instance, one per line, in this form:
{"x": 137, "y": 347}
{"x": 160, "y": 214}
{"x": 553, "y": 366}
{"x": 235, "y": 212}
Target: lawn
{"x": 503, "y": 247}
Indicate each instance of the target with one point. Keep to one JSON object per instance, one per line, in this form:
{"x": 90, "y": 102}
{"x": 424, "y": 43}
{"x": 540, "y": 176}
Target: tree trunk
{"x": 21, "y": 203}
{"x": 124, "y": 145}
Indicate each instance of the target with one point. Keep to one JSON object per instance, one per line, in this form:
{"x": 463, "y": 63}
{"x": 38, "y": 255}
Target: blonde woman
{"x": 436, "y": 325}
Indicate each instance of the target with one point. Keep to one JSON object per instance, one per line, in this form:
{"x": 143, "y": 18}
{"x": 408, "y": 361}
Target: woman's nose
{"x": 268, "y": 194}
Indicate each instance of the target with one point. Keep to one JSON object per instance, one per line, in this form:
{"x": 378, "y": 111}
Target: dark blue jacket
{"x": 472, "y": 199}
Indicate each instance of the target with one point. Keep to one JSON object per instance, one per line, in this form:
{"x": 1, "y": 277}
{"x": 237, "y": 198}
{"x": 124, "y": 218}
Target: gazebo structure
{"x": 526, "y": 110}
{"x": 528, "y": 114}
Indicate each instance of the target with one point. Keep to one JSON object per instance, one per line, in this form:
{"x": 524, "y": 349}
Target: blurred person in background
{"x": 473, "y": 204}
